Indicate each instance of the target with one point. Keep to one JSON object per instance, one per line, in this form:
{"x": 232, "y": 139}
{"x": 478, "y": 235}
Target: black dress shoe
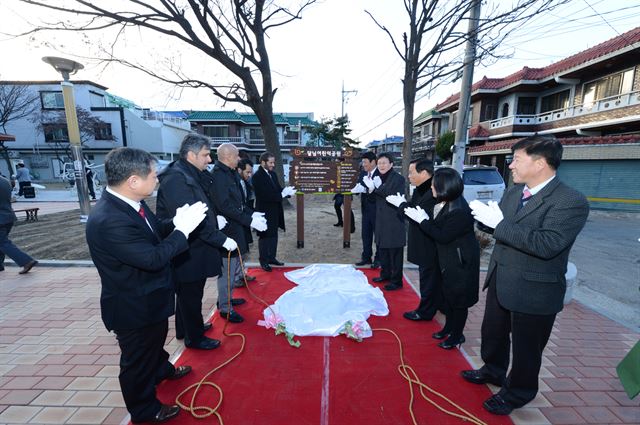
{"x": 375, "y": 265}
{"x": 250, "y": 278}
{"x": 497, "y": 405}
{"x": 338, "y": 224}
{"x": 28, "y": 267}
{"x": 379, "y": 279}
{"x": 266, "y": 267}
{"x": 234, "y": 302}
{"x": 414, "y": 315}
{"x": 180, "y": 372}
{"x": 233, "y": 317}
{"x": 363, "y": 263}
{"x": 207, "y": 326}
{"x": 392, "y": 287}
{"x": 480, "y": 377}
{"x": 442, "y": 334}
{"x": 166, "y": 412}
{"x": 450, "y": 343}
{"x": 276, "y": 263}
{"x": 204, "y": 344}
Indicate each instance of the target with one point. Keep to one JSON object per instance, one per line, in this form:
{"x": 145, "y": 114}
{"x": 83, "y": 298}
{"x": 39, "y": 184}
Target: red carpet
{"x": 332, "y": 381}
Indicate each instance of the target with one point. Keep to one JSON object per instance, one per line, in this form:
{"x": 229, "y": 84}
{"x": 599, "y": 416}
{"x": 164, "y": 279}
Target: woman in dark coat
{"x": 458, "y": 252}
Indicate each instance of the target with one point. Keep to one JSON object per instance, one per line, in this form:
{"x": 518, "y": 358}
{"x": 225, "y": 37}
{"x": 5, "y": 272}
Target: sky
{"x": 336, "y": 43}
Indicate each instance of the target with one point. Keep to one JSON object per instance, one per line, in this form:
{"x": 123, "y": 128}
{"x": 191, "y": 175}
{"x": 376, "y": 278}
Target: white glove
{"x": 369, "y": 183}
{"x": 230, "y": 245}
{"x": 396, "y": 200}
{"x": 377, "y": 181}
{"x": 221, "y": 222}
{"x": 288, "y": 191}
{"x": 358, "y": 188}
{"x": 257, "y": 214}
{"x": 259, "y": 223}
{"x": 489, "y": 215}
{"x": 188, "y": 217}
{"x": 416, "y": 214}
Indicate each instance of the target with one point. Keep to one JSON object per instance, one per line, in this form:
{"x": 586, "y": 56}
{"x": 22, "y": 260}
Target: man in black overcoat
{"x": 368, "y": 209}
{"x": 132, "y": 251}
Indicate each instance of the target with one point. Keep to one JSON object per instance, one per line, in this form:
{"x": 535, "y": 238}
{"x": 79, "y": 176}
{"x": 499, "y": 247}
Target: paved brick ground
{"x": 58, "y": 365}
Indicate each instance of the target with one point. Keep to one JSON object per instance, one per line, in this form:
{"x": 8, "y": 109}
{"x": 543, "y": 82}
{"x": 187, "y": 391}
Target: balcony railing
{"x": 254, "y": 142}
{"x": 601, "y": 105}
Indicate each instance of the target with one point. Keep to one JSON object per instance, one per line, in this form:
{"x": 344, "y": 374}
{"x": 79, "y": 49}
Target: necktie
{"x": 526, "y": 195}
{"x": 141, "y": 212}
{"x": 369, "y": 174}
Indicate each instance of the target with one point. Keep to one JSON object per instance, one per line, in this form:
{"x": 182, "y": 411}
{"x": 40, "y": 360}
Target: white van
{"x": 482, "y": 182}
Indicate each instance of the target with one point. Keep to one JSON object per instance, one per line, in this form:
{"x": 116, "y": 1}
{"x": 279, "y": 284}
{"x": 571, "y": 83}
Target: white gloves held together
{"x": 188, "y": 217}
{"x": 416, "y": 214}
{"x": 288, "y": 191}
{"x": 490, "y": 215}
{"x": 358, "y": 188}
{"x": 396, "y": 200}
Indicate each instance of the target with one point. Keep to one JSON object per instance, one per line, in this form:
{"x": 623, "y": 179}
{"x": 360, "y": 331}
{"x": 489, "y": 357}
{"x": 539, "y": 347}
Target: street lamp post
{"x": 67, "y": 67}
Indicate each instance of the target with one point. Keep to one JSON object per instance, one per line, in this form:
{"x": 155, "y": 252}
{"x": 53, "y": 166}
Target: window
{"x": 611, "y": 85}
{"x": 505, "y": 110}
{"x": 555, "y": 101}
{"x": 216, "y": 130}
{"x": 52, "y": 100}
{"x": 490, "y": 112}
{"x": 55, "y": 133}
{"x": 526, "y": 106}
{"x": 255, "y": 133}
{"x": 103, "y": 132}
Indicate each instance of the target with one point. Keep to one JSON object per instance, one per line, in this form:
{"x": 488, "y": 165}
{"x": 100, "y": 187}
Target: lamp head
{"x": 64, "y": 66}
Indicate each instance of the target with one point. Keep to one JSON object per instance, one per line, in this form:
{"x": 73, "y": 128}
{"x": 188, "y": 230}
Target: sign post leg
{"x": 346, "y": 219}
{"x": 300, "y": 219}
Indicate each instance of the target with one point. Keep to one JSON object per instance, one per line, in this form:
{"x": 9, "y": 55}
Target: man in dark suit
{"x": 421, "y": 249}
{"x": 186, "y": 181}
{"x": 245, "y": 170}
{"x": 391, "y": 233}
{"x": 7, "y": 218}
{"x": 269, "y": 196}
{"x": 230, "y": 203}
{"x": 368, "y": 209}
{"x": 137, "y": 297}
{"x": 534, "y": 226}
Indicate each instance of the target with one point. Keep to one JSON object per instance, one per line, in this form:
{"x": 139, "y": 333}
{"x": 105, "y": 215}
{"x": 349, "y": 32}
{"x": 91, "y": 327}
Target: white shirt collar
{"x": 135, "y": 205}
{"x": 538, "y": 188}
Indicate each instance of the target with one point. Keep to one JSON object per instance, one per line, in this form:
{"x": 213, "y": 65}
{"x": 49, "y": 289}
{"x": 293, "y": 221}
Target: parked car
{"x": 481, "y": 182}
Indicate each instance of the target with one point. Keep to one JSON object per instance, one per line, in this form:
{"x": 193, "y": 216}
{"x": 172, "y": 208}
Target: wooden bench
{"x": 32, "y": 213}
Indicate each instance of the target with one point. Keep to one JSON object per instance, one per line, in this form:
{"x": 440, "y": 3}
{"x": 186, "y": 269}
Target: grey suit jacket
{"x": 532, "y": 247}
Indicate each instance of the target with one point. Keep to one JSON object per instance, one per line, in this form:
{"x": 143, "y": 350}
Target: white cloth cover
{"x": 328, "y": 296}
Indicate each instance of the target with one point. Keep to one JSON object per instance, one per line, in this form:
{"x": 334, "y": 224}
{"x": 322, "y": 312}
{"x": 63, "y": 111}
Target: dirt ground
{"x": 60, "y": 236}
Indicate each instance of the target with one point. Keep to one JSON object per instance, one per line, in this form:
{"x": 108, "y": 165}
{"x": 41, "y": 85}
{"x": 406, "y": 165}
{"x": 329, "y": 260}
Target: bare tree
{"x": 231, "y": 32}
{"x": 432, "y": 48}
{"x": 17, "y": 101}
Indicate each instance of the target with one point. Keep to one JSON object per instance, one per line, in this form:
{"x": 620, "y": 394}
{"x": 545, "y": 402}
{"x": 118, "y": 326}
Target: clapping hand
{"x": 396, "y": 200}
{"x": 416, "y": 214}
{"x": 377, "y": 181}
{"x": 188, "y": 217}
{"x": 358, "y": 188}
{"x": 369, "y": 183}
{"x": 489, "y": 215}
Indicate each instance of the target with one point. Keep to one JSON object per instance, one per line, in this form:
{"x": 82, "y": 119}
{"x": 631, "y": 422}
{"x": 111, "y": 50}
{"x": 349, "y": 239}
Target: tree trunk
{"x": 409, "y": 98}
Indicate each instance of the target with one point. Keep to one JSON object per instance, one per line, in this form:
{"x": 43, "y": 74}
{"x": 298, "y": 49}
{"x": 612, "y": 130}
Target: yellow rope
{"x": 406, "y": 370}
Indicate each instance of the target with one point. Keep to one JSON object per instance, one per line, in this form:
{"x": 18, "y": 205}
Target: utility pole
{"x": 345, "y": 93}
{"x": 465, "y": 91}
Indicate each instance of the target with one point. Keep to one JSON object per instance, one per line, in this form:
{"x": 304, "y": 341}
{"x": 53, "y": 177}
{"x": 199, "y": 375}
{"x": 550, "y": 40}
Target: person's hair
{"x": 547, "y": 147}
{"x": 122, "y": 163}
{"x": 423, "y": 164}
{"x": 193, "y": 142}
{"x": 369, "y": 156}
{"x": 448, "y": 184}
{"x": 385, "y": 155}
{"x": 242, "y": 164}
{"x": 265, "y": 157}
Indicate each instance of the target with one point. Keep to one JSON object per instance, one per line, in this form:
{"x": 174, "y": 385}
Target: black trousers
{"x": 143, "y": 364}
{"x": 430, "y": 291}
{"x": 529, "y": 335}
{"x": 22, "y": 185}
{"x": 391, "y": 264}
{"x": 368, "y": 231}
{"x": 267, "y": 248}
{"x": 337, "y": 204}
{"x": 189, "y": 310}
{"x": 456, "y": 318}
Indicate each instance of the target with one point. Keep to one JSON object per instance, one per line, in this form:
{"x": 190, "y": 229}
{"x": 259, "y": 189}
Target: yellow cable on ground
{"x": 201, "y": 412}
{"x": 405, "y": 370}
